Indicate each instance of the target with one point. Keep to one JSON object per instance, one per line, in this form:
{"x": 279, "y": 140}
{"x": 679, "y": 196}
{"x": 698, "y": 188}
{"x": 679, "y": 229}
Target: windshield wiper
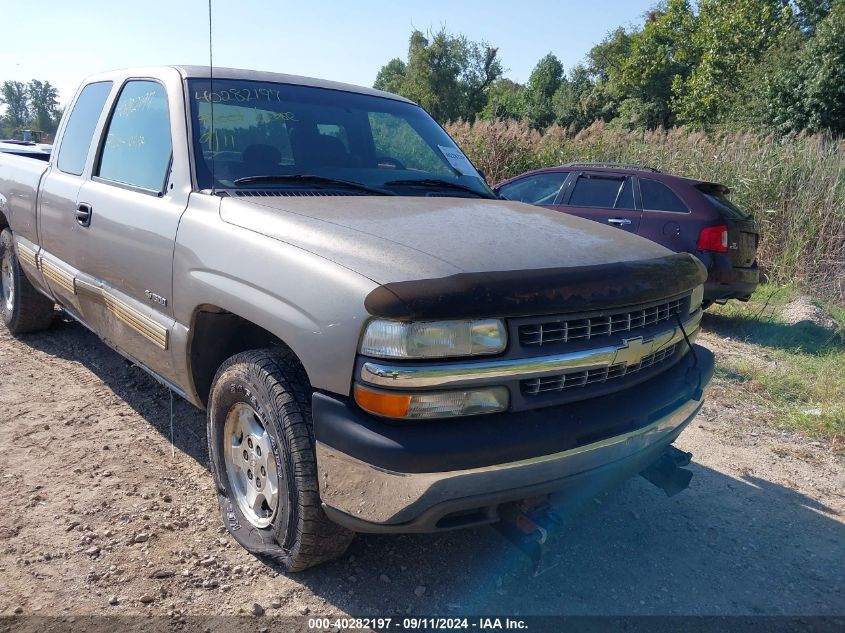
{"x": 310, "y": 179}
{"x": 436, "y": 183}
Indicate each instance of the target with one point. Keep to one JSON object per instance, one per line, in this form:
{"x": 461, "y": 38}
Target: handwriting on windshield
{"x": 221, "y": 120}
{"x": 213, "y": 140}
{"x": 131, "y": 105}
{"x": 279, "y": 116}
{"x": 238, "y": 95}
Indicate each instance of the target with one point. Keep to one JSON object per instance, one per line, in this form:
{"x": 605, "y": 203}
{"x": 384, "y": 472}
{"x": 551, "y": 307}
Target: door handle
{"x": 83, "y": 214}
{"x": 618, "y": 221}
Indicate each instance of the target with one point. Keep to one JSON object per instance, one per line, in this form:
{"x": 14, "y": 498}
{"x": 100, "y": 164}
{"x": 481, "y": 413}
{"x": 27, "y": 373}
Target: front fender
{"x": 315, "y": 306}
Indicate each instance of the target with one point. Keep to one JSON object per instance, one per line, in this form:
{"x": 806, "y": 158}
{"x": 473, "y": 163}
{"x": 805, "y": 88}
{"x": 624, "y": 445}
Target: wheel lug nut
{"x": 258, "y": 482}
{"x": 249, "y": 474}
{"x": 246, "y": 456}
{"x": 249, "y": 442}
{"x": 263, "y": 472}
{"x": 258, "y": 450}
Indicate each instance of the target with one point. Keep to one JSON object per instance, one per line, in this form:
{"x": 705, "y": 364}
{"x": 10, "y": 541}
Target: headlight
{"x": 432, "y": 404}
{"x": 433, "y": 339}
{"x": 696, "y": 298}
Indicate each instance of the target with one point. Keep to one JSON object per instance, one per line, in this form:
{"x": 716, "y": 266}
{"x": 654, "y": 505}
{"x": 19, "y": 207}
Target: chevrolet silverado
{"x": 381, "y": 343}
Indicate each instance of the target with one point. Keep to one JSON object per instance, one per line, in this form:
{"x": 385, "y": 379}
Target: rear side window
{"x": 537, "y": 189}
{"x": 658, "y": 197}
{"x": 138, "y": 146}
{"x": 602, "y": 191}
{"x": 79, "y": 130}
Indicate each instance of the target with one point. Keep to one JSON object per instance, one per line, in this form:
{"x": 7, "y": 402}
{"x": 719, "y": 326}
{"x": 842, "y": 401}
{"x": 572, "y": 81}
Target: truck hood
{"x": 394, "y": 239}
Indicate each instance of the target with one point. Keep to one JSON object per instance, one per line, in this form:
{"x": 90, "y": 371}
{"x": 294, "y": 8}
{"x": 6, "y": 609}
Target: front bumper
{"x": 377, "y": 476}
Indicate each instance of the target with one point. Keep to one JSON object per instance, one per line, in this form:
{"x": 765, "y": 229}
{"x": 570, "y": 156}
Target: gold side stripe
{"x": 27, "y": 255}
{"x": 58, "y": 275}
{"x": 139, "y": 322}
{"x": 84, "y": 288}
{"x": 135, "y": 319}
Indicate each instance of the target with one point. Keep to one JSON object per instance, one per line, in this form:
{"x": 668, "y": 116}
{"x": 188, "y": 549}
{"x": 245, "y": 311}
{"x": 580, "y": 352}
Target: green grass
{"x": 794, "y": 372}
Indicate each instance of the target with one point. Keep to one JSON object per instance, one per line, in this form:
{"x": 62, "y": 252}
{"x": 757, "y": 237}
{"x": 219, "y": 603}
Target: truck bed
{"x": 19, "y": 180}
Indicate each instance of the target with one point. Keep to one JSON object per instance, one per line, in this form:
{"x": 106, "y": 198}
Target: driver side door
{"x": 128, "y": 239}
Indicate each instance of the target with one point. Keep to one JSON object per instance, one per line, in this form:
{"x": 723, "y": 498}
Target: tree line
{"x": 32, "y": 105}
{"x": 775, "y": 65}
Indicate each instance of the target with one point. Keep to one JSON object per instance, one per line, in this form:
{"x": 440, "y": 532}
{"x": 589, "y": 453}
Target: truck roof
{"x": 203, "y": 72}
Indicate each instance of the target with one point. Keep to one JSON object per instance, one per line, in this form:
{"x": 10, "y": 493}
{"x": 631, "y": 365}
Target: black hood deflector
{"x": 542, "y": 291}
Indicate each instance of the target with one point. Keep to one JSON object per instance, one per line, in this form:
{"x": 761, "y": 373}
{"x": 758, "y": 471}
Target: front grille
{"x": 564, "y": 330}
{"x": 535, "y": 386}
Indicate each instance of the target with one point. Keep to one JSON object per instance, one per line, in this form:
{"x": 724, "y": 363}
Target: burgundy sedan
{"x": 680, "y": 213}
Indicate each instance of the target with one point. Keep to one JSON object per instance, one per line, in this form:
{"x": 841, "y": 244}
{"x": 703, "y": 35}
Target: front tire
{"x": 261, "y": 449}
{"x": 22, "y": 308}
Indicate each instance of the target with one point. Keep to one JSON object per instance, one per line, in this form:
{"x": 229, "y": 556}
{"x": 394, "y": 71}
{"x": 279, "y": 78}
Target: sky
{"x": 63, "y": 41}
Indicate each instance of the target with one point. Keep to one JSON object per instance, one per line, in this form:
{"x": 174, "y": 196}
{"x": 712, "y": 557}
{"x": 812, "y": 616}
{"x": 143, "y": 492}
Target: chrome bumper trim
{"x": 386, "y": 497}
{"x": 484, "y": 372}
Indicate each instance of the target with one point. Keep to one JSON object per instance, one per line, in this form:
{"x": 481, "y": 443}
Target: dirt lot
{"x": 101, "y": 514}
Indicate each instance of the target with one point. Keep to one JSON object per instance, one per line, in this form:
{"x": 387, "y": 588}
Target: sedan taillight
{"x": 714, "y": 238}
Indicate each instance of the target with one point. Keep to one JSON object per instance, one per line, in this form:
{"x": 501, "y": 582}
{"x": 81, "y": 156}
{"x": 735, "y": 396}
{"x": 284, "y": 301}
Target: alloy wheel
{"x": 7, "y": 282}
{"x": 250, "y": 466}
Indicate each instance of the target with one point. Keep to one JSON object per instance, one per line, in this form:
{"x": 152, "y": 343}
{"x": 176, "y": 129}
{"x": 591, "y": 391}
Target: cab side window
{"x": 658, "y": 197}
{"x": 138, "y": 147}
{"x": 537, "y": 189}
{"x": 79, "y": 131}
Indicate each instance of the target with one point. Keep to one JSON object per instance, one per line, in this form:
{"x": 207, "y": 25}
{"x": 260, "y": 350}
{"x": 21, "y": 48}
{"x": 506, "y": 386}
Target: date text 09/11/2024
{"x": 416, "y": 623}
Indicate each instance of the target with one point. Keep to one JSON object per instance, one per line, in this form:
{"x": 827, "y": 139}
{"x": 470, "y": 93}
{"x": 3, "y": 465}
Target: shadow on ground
{"x": 804, "y": 336}
{"x": 724, "y": 546}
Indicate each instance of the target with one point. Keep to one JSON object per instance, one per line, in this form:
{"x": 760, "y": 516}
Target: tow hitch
{"x": 527, "y": 524}
{"x": 667, "y": 472}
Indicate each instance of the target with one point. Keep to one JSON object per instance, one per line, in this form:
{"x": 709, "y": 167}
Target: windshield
{"x": 261, "y": 130}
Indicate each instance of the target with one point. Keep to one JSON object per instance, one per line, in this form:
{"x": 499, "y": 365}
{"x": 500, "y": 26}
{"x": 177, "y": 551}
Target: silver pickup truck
{"x": 381, "y": 344}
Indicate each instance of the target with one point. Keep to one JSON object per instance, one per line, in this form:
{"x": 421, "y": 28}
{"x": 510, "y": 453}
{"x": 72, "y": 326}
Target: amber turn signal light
{"x": 391, "y": 405}
{"x": 432, "y": 404}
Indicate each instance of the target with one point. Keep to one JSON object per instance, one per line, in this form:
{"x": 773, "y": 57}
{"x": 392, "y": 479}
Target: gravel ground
{"x": 102, "y": 514}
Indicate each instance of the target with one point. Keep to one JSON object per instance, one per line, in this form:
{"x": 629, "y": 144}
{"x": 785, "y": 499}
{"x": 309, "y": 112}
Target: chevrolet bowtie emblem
{"x": 634, "y": 350}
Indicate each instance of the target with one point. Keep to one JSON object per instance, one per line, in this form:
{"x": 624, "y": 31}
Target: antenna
{"x": 211, "y": 132}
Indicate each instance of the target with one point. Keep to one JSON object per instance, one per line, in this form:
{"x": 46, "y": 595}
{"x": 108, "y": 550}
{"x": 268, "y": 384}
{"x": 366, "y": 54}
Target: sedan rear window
{"x": 658, "y": 197}
{"x": 717, "y": 195}
{"x": 727, "y": 209}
